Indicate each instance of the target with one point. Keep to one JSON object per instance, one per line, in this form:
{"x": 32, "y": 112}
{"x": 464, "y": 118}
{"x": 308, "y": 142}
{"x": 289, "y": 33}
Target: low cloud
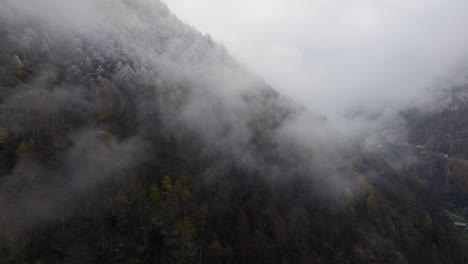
{"x": 334, "y": 56}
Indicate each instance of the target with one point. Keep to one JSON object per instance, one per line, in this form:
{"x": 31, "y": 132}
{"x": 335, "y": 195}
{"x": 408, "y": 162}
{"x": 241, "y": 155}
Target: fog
{"x": 89, "y": 89}
{"x": 78, "y": 70}
{"x": 336, "y": 56}
{"x": 289, "y": 112}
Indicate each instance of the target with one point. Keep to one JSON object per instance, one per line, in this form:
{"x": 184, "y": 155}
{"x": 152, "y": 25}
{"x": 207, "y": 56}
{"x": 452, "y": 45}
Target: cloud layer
{"x": 335, "y": 55}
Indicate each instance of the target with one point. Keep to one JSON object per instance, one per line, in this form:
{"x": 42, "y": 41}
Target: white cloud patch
{"x": 336, "y": 55}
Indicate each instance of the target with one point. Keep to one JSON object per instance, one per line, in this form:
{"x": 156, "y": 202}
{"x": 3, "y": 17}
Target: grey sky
{"x": 331, "y": 54}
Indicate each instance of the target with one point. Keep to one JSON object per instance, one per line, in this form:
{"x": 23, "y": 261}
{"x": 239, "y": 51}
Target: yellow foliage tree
{"x": 154, "y": 193}
{"x": 167, "y": 185}
{"x": 25, "y": 148}
{"x": 427, "y": 221}
{"x": 2, "y": 136}
{"x": 16, "y": 67}
{"x": 215, "y": 249}
{"x": 185, "y": 241}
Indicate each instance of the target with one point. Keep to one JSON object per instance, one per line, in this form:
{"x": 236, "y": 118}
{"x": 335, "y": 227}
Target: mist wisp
{"x": 69, "y": 67}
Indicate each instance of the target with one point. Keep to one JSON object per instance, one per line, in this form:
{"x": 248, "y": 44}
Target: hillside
{"x": 129, "y": 137}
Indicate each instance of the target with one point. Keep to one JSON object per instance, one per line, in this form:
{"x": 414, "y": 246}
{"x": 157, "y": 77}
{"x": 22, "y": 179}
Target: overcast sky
{"x": 332, "y": 54}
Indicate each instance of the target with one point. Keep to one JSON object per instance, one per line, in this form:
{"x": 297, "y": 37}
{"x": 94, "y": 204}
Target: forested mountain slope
{"x": 129, "y": 137}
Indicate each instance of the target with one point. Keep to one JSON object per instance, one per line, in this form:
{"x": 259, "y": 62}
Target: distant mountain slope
{"x": 445, "y": 128}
